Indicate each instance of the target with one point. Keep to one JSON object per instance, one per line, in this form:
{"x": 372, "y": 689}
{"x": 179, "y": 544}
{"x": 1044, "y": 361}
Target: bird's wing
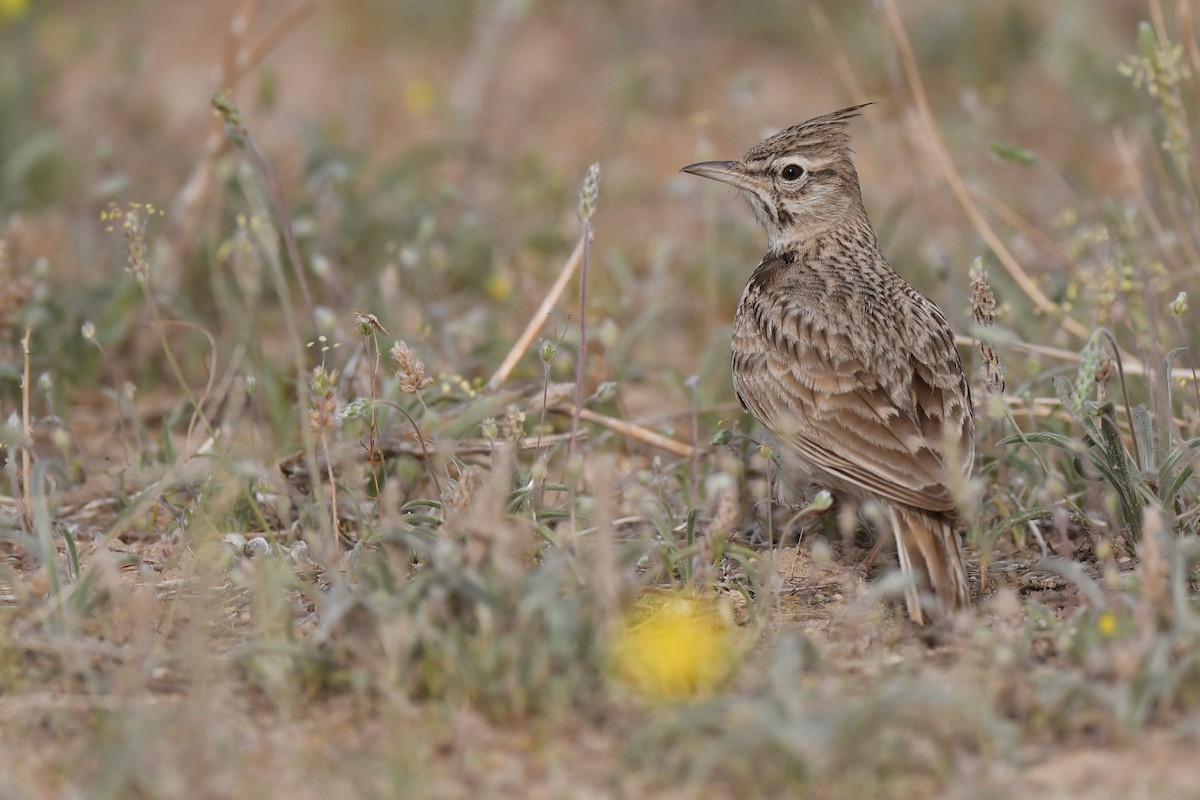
{"x": 896, "y": 438}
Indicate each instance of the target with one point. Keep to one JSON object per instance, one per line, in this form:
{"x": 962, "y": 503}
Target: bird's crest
{"x": 827, "y": 131}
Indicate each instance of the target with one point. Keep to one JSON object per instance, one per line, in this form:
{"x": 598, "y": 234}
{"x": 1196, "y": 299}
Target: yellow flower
{"x": 418, "y": 96}
{"x": 673, "y": 646}
{"x": 1107, "y": 624}
{"x": 13, "y": 9}
{"x": 499, "y": 286}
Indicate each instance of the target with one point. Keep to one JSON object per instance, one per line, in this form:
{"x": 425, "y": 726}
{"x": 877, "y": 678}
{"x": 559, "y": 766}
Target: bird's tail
{"x": 930, "y": 549}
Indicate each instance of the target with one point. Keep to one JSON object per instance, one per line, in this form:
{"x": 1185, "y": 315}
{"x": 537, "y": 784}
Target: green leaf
{"x": 1143, "y": 437}
{"x": 421, "y": 503}
{"x": 415, "y": 519}
{"x": 1177, "y": 484}
{"x": 1164, "y": 402}
{"x": 1110, "y": 440}
{"x": 1168, "y": 465}
{"x": 1015, "y": 153}
{"x": 1042, "y": 437}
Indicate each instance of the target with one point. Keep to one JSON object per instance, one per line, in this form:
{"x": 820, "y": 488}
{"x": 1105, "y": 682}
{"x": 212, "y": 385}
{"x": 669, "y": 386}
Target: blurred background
{"x": 431, "y": 153}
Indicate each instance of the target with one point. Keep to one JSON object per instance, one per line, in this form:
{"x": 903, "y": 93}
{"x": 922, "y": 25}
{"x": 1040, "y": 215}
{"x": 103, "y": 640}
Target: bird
{"x": 853, "y": 372}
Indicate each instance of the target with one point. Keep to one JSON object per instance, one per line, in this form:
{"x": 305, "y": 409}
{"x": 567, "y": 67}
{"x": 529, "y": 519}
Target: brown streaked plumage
{"x": 852, "y": 370}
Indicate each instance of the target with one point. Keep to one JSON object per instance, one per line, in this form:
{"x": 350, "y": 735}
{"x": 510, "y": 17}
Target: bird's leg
{"x": 863, "y": 569}
{"x": 848, "y": 522}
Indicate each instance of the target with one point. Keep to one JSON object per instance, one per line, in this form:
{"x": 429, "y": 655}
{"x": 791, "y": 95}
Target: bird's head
{"x": 799, "y": 182}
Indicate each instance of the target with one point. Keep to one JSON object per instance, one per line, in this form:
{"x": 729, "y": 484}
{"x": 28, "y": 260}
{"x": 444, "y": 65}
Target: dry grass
{"x": 268, "y": 529}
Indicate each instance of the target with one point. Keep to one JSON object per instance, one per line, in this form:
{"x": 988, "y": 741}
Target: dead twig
{"x": 26, "y": 435}
{"x": 1071, "y": 356}
{"x": 637, "y": 432}
{"x": 538, "y": 319}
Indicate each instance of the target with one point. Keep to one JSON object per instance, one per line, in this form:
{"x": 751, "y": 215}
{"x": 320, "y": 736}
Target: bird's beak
{"x": 731, "y": 172}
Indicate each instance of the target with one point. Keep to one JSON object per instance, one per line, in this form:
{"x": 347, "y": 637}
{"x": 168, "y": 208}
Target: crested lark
{"x": 853, "y": 372}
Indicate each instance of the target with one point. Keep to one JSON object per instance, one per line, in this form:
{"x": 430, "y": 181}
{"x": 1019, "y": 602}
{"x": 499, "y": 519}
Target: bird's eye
{"x": 791, "y": 172}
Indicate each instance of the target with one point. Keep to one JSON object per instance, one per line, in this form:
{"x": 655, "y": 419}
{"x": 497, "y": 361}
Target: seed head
{"x": 589, "y": 194}
{"x": 322, "y": 404}
{"x": 235, "y": 124}
{"x": 983, "y": 301}
{"x": 721, "y": 438}
{"x": 983, "y": 307}
{"x": 1179, "y": 305}
{"x": 547, "y": 350}
{"x": 512, "y": 425}
{"x": 410, "y": 370}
